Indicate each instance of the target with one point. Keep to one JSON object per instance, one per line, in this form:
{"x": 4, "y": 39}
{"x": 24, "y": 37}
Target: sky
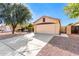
{"x": 55, "y": 10}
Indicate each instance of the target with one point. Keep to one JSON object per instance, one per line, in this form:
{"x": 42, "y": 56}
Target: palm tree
{"x": 14, "y": 14}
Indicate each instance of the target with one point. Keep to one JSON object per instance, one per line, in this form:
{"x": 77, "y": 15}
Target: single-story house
{"x": 3, "y": 27}
{"x": 73, "y": 28}
{"x": 47, "y": 25}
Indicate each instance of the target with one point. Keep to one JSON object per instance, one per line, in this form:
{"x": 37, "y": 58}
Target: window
{"x": 43, "y": 19}
{"x": 77, "y": 28}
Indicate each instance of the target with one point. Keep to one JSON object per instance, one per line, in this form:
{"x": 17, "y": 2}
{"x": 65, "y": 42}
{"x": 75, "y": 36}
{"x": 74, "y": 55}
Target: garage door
{"x": 47, "y": 28}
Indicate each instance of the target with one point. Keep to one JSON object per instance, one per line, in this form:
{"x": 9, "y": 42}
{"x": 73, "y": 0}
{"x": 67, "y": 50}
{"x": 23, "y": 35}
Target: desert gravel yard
{"x": 61, "y": 46}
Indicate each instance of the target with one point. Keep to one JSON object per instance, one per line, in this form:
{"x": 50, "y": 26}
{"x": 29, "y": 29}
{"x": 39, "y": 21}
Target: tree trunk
{"x": 13, "y": 28}
{"x": 60, "y": 29}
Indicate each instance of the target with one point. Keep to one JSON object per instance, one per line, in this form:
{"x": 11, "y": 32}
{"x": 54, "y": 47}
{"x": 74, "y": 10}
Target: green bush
{"x": 30, "y": 28}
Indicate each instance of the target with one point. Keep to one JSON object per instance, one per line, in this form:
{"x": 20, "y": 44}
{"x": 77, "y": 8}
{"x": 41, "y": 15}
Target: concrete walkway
{"x": 17, "y": 46}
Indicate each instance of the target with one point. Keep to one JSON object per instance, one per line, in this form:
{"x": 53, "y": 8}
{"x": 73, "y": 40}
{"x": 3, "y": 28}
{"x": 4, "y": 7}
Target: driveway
{"x": 62, "y": 45}
{"x": 17, "y": 46}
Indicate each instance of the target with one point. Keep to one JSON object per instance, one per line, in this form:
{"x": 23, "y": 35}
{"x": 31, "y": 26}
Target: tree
{"x": 14, "y": 14}
{"x": 70, "y": 24}
{"x": 30, "y": 28}
{"x": 72, "y": 10}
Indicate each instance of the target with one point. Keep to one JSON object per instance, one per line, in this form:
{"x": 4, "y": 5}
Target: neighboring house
{"x": 3, "y": 27}
{"x": 47, "y": 25}
{"x": 73, "y": 28}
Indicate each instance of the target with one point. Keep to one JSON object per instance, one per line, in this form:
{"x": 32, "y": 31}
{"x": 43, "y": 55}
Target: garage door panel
{"x": 46, "y": 28}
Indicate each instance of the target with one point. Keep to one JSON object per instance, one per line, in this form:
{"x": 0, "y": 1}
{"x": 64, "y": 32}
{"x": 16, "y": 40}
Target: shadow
{"x": 63, "y": 43}
{"x": 8, "y": 36}
{"x": 43, "y": 37}
{"x": 18, "y": 45}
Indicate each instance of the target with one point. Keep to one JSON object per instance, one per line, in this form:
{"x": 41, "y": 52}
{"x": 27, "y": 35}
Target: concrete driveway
{"x": 17, "y": 46}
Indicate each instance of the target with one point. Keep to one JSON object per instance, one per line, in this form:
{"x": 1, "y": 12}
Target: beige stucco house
{"x": 73, "y": 28}
{"x": 47, "y": 25}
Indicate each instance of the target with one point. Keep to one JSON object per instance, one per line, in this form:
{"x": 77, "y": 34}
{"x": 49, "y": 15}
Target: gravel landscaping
{"x": 61, "y": 46}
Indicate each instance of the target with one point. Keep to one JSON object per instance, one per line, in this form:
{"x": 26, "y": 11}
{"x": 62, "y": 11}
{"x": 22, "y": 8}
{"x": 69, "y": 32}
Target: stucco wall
{"x": 68, "y": 29}
{"x": 53, "y": 28}
{"x": 63, "y": 29}
{"x": 46, "y": 20}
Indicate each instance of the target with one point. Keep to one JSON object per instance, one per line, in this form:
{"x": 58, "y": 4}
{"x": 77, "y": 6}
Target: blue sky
{"x": 55, "y": 10}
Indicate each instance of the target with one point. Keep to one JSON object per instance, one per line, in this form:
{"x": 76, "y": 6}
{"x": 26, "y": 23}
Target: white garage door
{"x": 47, "y": 28}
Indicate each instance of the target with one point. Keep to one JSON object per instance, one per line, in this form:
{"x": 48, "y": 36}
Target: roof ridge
{"x": 46, "y": 16}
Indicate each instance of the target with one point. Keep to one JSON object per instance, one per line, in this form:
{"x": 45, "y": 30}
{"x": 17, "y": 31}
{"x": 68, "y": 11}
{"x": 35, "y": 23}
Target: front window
{"x": 77, "y": 28}
{"x": 43, "y": 19}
